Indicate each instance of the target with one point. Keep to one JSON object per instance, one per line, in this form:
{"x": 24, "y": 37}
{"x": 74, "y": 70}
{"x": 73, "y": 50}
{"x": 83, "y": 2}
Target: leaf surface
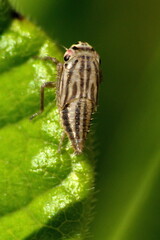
{"x": 44, "y": 194}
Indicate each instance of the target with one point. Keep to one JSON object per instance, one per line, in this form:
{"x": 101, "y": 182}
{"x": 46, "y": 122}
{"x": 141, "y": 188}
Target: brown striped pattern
{"x": 77, "y": 93}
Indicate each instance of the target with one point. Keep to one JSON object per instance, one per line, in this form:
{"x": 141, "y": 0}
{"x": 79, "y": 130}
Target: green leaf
{"x": 127, "y": 36}
{"x": 44, "y": 194}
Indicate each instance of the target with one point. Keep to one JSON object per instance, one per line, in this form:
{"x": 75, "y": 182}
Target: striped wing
{"x": 76, "y": 121}
{"x": 80, "y": 79}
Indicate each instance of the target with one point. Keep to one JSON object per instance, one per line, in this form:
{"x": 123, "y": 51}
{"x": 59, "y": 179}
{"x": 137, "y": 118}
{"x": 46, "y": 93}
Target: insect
{"x": 77, "y": 91}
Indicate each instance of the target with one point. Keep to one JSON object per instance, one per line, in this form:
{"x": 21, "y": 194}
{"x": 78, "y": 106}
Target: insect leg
{"x": 44, "y": 85}
{"x": 61, "y": 141}
{"x": 54, "y": 60}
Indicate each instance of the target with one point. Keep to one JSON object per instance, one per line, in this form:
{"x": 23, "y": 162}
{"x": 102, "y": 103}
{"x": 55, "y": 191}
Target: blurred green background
{"x": 127, "y": 36}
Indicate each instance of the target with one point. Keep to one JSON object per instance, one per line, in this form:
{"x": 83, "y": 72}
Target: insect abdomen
{"x": 76, "y": 118}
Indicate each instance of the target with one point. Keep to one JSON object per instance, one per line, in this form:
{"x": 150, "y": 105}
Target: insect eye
{"x": 66, "y": 57}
